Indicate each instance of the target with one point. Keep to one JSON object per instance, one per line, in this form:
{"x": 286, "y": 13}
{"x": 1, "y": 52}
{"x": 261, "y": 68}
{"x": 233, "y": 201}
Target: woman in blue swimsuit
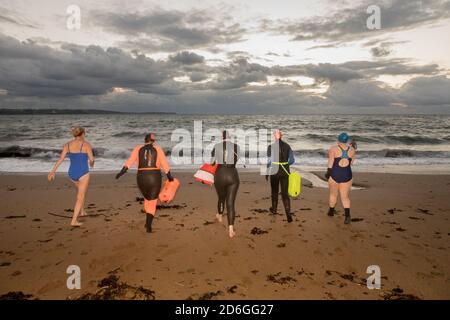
{"x": 80, "y": 154}
{"x": 339, "y": 174}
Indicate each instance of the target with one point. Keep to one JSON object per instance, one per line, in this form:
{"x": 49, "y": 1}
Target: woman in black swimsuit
{"x": 339, "y": 174}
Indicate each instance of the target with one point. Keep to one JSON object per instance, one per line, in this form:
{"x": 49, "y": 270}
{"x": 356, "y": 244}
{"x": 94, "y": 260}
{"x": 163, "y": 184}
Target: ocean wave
{"x": 16, "y": 151}
{"x": 385, "y": 153}
{"x": 129, "y": 134}
{"x": 413, "y": 140}
{"x": 28, "y": 152}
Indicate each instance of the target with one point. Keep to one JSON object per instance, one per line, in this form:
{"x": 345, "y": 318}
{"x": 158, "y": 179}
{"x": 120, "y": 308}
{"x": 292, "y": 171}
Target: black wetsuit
{"x": 148, "y": 175}
{"x": 226, "y": 179}
{"x": 278, "y": 176}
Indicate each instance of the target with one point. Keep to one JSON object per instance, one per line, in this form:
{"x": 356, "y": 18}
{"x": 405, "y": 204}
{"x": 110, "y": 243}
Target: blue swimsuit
{"x": 342, "y": 174}
{"x": 78, "y": 164}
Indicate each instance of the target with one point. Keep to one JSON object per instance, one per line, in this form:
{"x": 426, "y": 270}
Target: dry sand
{"x": 402, "y": 225}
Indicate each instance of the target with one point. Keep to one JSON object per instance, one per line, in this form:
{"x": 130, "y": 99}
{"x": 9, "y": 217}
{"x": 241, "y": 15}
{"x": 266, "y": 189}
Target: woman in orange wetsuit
{"x": 150, "y": 159}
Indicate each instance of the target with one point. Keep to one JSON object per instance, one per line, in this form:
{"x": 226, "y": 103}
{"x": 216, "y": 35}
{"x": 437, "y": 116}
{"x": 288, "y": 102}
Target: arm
{"x": 51, "y": 175}
{"x": 353, "y": 156}
{"x": 269, "y": 156}
{"x": 90, "y": 155}
{"x": 213, "y": 155}
{"x": 330, "y": 163}
{"x": 291, "y": 159}
{"x": 133, "y": 157}
{"x": 269, "y": 162}
{"x": 162, "y": 160}
{"x": 131, "y": 160}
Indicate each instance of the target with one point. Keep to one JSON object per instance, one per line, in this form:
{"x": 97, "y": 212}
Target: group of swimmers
{"x": 150, "y": 160}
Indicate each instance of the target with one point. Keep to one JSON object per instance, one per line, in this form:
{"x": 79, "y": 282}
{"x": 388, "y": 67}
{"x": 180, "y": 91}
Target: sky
{"x": 227, "y": 57}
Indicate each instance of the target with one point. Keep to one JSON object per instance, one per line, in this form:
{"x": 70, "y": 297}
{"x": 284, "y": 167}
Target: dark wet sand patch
{"x": 279, "y": 279}
{"x": 232, "y": 289}
{"x": 258, "y": 231}
{"x": 16, "y": 295}
{"x": 394, "y": 210}
{"x": 424, "y": 211}
{"x": 110, "y": 288}
{"x": 205, "y": 296}
{"x": 260, "y": 210}
{"x": 398, "y": 294}
{"x": 15, "y": 217}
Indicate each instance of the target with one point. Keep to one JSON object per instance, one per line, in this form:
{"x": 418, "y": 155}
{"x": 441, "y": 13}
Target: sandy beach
{"x": 400, "y": 223}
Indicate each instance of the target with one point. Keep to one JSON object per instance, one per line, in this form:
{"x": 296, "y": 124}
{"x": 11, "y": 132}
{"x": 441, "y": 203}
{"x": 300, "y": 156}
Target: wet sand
{"x": 400, "y": 223}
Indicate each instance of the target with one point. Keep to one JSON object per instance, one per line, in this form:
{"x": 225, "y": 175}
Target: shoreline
{"x": 391, "y": 169}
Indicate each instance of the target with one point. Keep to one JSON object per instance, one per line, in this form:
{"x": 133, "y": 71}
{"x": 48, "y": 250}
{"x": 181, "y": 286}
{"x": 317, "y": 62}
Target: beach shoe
{"x": 289, "y": 217}
{"x": 347, "y": 219}
{"x": 331, "y": 212}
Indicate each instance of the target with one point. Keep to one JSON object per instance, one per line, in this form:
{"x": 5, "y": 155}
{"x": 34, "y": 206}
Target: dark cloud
{"x": 34, "y": 74}
{"x": 169, "y": 31}
{"x": 419, "y": 92}
{"x": 186, "y": 57}
{"x": 380, "y": 51}
{"x": 360, "y": 93}
{"x": 390, "y": 67}
{"x": 239, "y": 73}
{"x": 426, "y": 91}
{"x": 33, "y": 70}
{"x": 349, "y": 24}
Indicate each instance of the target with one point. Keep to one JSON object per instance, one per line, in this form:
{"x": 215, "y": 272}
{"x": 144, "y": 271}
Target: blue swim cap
{"x": 343, "y": 137}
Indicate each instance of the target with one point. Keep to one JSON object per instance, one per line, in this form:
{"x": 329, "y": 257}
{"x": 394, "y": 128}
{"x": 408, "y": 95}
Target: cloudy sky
{"x": 262, "y": 56}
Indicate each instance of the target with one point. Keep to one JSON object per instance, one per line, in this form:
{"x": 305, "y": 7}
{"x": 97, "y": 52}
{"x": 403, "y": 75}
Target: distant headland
{"x": 69, "y": 111}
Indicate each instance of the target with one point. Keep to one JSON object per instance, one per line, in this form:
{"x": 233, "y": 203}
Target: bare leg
{"x": 231, "y": 232}
{"x": 82, "y": 186}
{"x": 334, "y": 190}
{"x": 344, "y": 192}
{"x": 83, "y": 210}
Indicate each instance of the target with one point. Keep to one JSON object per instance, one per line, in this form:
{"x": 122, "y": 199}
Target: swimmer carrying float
{"x": 169, "y": 190}
{"x": 295, "y": 180}
{"x": 206, "y": 174}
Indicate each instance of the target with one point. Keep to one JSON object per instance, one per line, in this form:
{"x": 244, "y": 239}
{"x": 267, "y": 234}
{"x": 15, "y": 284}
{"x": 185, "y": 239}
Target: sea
{"x": 386, "y": 143}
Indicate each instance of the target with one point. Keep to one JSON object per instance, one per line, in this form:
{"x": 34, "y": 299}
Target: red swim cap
{"x": 150, "y": 137}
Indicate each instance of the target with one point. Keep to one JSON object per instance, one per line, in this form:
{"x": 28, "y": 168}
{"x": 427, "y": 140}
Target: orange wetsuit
{"x": 150, "y": 159}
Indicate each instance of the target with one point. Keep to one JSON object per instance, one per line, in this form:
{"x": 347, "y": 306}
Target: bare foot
{"x": 76, "y": 224}
{"x": 83, "y": 214}
{"x": 231, "y": 232}
{"x": 219, "y": 217}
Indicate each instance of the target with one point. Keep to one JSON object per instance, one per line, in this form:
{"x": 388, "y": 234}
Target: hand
{"x": 328, "y": 174}
{"x": 91, "y": 164}
{"x": 122, "y": 172}
{"x": 51, "y": 176}
{"x": 354, "y": 144}
{"x": 169, "y": 176}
